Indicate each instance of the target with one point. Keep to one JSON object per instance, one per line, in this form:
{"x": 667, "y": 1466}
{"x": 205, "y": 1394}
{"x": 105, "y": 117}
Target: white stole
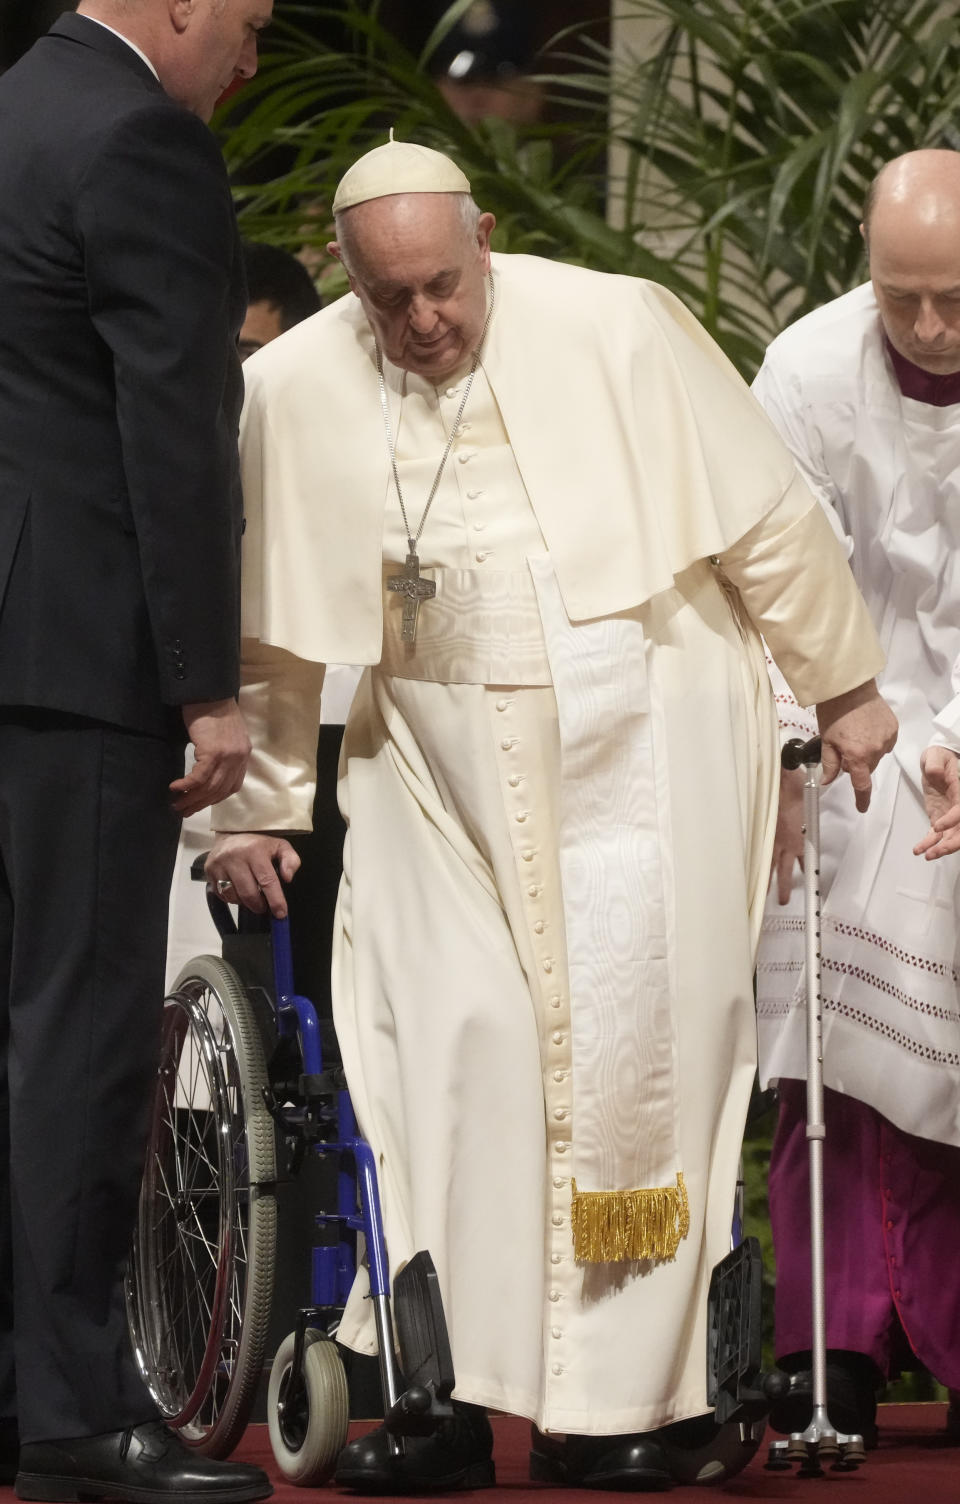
{"x": 615, "y": 861}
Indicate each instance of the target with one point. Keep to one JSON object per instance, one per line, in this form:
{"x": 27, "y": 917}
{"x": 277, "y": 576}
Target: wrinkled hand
{"x": 788, "y": 837}
{"x": 941, "y": 795}
{"x": 222, "y": 750}
{"x": 256, "y": 867}
{"x": 856, "y": 730}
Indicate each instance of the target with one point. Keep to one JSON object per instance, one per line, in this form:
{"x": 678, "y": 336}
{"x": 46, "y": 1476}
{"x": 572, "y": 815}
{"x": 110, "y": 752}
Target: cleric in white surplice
{"x": 866, "y": 393}
{"x": 559, "y": 783}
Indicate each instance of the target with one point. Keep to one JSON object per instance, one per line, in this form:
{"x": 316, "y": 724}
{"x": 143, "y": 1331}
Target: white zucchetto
{"x": 398, "y": 167}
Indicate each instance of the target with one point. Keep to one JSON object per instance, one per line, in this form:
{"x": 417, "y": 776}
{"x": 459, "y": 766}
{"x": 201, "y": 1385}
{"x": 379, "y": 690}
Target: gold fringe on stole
{"x": 616, "y": 1226}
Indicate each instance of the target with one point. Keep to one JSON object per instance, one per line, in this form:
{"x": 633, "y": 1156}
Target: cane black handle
{"x": 800, "y": 754}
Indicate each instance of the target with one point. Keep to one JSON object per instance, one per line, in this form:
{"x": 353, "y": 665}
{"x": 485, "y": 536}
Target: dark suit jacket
{"x": 121, "y": 294}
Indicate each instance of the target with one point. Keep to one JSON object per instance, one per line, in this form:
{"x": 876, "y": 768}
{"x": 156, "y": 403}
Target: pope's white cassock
{"x": 559, "y": 802}
{"x": 889, "y": 467}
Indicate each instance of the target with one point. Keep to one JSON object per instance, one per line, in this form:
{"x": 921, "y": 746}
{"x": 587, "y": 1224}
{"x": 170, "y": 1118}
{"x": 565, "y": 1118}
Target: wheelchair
{"x": 247, "y": 1085}
{"x": 243, "y": 1092}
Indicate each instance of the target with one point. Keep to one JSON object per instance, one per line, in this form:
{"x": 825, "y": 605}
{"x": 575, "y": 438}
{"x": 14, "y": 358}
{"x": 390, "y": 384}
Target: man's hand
{"x": 941, "y": 795}
{"x": 253, "y": 865}
{"x": 222, "y": 750}
{"x": 788, "y": 837}
{"x": 856, "y": 729}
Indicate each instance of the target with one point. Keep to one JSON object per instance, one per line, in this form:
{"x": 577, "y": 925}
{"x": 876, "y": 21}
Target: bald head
{"x": 912, "y": 233}
{"x": 198, "y": 47}
{"x": 418, "y": 262}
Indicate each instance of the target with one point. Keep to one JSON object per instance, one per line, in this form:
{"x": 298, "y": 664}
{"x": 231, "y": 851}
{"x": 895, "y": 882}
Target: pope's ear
{"x": 486, "y": 225}
{"x": 333, "y": 249}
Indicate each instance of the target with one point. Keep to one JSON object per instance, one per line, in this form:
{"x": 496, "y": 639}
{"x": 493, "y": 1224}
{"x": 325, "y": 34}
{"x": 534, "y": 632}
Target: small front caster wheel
{"x": 308, "y": 1419}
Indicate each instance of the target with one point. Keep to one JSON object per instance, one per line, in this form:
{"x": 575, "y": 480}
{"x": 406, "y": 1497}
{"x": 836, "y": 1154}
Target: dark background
{"x": 528, "y": 24}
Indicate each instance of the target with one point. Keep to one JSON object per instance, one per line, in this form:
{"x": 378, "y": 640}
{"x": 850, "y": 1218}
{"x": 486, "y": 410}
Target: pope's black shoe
{"x": 636, "y": 1463}
{"x": 146, "y": 1464}
{"x": 457, "y": 1455}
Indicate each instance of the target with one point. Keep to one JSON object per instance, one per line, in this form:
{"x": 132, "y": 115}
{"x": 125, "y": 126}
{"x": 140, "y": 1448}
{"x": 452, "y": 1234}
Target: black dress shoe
{"x": 852, "y": 1380}
{"x": 146, "y": 1464}
{"x": 637, "y": 1462}
{"x": 457, "y": 1455}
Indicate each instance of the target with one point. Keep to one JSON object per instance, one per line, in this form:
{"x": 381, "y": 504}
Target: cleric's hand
{"x": 856, "y": 730}
{"x": 788, "y": 837}
{"x": 941, "y": 795}
{"x": 254, "y": 867}
{"x": 222, "y": 750}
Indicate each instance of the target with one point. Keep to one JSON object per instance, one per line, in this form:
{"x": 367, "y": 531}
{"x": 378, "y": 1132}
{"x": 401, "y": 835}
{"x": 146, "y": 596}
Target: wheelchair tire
{"x": 308, "y": 1428}
{"x": 202, "y": 1263}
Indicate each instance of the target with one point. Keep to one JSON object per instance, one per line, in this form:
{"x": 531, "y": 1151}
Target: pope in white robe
{"x": 866, "y": 393}
{"x": 560, "y": 792}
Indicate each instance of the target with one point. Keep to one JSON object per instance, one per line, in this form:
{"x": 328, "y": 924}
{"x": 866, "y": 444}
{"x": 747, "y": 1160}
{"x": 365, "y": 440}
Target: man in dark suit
{"x": 121, "y": 294}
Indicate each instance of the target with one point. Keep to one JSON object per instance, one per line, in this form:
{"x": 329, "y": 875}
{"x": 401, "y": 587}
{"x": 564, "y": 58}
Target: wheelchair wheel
{"x": 308, "y": 1422}
{"x": 201, "y": 1275}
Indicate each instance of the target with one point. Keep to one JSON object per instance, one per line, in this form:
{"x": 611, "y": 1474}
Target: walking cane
{"x": 821, "y": 1441}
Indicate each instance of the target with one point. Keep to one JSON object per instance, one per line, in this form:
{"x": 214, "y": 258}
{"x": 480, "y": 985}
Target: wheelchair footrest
{"x": 422, "y": 1329}
{"x": 736, "y": 1386}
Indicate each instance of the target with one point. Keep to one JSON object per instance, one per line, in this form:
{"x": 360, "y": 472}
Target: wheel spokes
{"x": 192, "y": 1254}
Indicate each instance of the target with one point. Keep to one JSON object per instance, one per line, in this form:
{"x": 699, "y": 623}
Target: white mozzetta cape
{"x": 628, "y": 425}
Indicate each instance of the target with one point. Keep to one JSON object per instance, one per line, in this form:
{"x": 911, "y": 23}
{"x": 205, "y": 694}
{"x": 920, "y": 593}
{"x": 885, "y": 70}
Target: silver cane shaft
{"x": 816, "y": 1129}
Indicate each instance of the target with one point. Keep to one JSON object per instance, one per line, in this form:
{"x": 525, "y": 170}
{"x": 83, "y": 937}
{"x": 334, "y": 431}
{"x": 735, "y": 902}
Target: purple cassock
{"x": 892, "y": 1231}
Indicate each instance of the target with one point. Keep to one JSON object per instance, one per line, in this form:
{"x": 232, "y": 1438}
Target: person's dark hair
{"x": 276, "y": 277}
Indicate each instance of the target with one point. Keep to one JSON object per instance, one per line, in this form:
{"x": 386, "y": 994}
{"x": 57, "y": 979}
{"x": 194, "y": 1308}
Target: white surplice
{"x": 451, "y": 978}
{"x": 889, "y": 467}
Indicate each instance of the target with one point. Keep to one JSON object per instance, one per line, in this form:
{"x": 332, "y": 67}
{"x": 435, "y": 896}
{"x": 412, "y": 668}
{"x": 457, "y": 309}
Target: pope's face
{"x": 421, "y": 276}
{"x": 915, "y": 269}
{"x": 217, "y": 45}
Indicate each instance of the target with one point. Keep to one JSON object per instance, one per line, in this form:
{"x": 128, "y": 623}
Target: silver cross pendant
{"x": 414, "y": 589}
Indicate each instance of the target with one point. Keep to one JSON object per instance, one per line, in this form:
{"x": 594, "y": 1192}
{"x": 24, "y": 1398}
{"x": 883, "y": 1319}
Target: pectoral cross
{"x": 414, "y": 590}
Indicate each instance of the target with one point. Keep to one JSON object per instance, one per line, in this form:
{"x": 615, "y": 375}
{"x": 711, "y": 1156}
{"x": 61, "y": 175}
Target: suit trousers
{"x": 87, "y": 845}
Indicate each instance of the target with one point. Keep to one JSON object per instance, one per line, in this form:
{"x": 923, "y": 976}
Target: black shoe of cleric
{"x": 636, "y": 1463}
{"x": 146, "y": 1464}
{"x": 9, "y": 1450}
{"x": 457, "y": 1455}
{"x": 851, "y": 1396}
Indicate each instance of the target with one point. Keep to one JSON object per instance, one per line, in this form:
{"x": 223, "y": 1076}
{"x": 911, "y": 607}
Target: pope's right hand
{"x": 254, "y": 867}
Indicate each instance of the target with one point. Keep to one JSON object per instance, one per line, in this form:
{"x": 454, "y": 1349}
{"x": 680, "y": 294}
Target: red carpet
{"x": 912, "y": 1465}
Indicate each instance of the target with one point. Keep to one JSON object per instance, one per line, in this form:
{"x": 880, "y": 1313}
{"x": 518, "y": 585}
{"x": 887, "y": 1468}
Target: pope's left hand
{"x": 941, "y": 795}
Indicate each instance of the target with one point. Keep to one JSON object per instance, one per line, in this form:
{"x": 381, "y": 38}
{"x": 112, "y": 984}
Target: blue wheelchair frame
{"x": 416, "y": 1395}
{"x": 333, "y": 1267}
